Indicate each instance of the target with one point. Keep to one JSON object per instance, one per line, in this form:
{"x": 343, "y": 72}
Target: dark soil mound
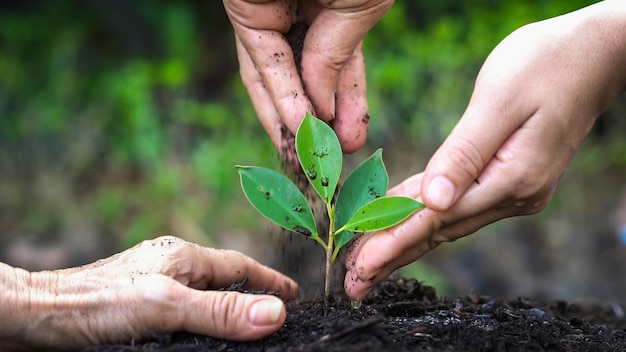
{"x": 403, "y": 315}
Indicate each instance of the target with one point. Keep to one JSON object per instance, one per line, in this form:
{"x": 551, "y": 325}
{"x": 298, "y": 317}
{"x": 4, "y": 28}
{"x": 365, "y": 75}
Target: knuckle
{"x": 249, "y": 76}
{"x": 170, "y": 243}
{"x": 158, "y": 288}
{"x": 532, "y": 190}
{"x": 466, "y": 157}
{"x": 379, "y": 5}
{"x": 438, "y": 238}
{"x": 225, "y": 308}
{"x": 166, "y": 253}
{"x": 160, "y": 296}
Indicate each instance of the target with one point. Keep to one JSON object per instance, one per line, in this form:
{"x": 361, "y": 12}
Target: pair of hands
{"x": 536, "y": 97}
{"x": 330, "y": 78}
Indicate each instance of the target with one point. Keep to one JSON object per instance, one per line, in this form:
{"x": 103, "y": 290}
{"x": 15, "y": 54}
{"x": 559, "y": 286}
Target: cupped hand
{"x": 536, "y": 97}
{"x": 159, "y": 286}
{"x": 331, "y": 84}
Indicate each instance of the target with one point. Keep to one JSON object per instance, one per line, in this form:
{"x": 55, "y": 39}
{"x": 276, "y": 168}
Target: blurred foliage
{"x": 131, "y": 115}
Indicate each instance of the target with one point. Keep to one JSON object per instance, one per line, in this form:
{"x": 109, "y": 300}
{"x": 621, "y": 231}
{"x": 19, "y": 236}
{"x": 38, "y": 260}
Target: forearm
{"x": 35, "y": 307}
{"x": 14, "y": 306}
{"x": 601, "y": 28}
{"x": 569, "y": 67}
{"x": 618, "y": 11}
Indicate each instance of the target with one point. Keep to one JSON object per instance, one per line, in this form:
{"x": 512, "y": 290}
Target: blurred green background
{"x": 122, "y": 120}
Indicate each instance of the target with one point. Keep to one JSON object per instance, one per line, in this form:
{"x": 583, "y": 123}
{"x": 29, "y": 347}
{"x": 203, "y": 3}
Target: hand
{"x": 332, "y": 81}
{"x": 157, "y": 286}
{"x": 535, "y": 99}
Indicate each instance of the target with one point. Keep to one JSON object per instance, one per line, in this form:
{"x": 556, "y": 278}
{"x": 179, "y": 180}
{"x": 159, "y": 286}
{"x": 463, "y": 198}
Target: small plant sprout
{"x": 360, "y": 206}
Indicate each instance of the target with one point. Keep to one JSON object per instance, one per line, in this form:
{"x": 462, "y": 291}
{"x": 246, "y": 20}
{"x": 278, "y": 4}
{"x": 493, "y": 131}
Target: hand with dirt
{"x": 535, "y": 99}
{"x": 328, "y": 81}
{"x": 158, "y": 286}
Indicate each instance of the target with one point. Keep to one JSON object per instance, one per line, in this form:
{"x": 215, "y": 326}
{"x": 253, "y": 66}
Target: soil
{"x": 404, "y": 315}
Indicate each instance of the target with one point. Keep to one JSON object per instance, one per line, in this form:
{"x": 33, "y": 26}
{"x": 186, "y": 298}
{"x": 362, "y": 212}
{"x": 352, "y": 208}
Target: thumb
{"x": 233, "y": 315}
{"x": 463, "y": 156}
{"x": 494, "y": 113}
{"x": 451, "y": 170}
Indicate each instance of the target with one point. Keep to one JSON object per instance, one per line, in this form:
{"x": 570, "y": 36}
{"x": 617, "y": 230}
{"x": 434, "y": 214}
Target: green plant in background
{"x": 360, "y": 205}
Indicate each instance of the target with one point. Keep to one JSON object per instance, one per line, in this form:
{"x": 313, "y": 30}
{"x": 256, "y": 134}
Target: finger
{"x": 325, "y": 53}
{"x": 281, "y": 137}
{"x": 425, "y": 230}
{"x": 409, "y": 188}
{"x": 373, "y": 259}
{"x": 229, "y": 315}
{"x": 261, "y": 100}
{"x": 235, "y": 316}
{"x": 356, "y": 288}
{"x": 351, "y": 111}
{"x": 381, "y": 249}
{"x": 273, "y": 59}
{"x": 261, "y": 14}
{"x": 200, "y": 267}
{"x": 370, "y": 267}
{"x": 218, "y": 268}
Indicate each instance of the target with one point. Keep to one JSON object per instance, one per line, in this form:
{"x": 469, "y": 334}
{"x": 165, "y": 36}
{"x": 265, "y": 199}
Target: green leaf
{"x": 382, "y": 213}
{"x": 320, "y": 156}
{"x": 278, "y": 199}
{"x": 364, "y": 184}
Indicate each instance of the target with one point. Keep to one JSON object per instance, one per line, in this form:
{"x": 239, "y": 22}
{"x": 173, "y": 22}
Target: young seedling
{"x": 360, "y": 206}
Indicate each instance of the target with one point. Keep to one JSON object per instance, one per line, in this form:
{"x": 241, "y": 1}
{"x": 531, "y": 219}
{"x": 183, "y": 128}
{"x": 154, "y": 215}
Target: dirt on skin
{"x": 403, "y": 315}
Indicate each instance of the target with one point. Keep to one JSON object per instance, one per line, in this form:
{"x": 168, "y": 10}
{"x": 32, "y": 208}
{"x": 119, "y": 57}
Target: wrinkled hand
{"x": 332, "y": 82}
{"x": 535, "y": 99}
{"x": 158, "y": 286}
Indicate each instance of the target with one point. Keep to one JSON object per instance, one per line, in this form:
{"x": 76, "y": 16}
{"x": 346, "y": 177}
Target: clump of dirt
{"x": 404, "y": 315}
{"x": 295, "y": 38}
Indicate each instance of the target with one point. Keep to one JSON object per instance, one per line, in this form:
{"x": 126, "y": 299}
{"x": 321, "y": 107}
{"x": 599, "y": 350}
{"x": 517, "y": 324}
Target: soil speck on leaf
{"x": 301, "y": 230}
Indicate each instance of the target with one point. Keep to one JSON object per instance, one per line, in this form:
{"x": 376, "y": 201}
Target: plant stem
{"x": 329, "y": 262}
{"x": 329, "y": 251}
{"x": 317, "y": 239}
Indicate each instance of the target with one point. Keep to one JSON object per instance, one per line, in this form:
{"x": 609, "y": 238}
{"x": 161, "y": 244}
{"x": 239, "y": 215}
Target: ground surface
{"x": 402, "y": 315}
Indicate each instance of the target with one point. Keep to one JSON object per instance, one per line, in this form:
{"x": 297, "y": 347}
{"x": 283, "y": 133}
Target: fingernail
{"x": 266, "y": 312}
{"x": 441, "y": 192}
